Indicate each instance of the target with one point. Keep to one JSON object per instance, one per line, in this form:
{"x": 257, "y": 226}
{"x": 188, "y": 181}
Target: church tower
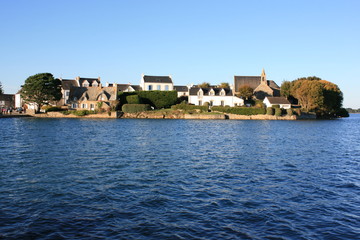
{"x": 263, "y": 77}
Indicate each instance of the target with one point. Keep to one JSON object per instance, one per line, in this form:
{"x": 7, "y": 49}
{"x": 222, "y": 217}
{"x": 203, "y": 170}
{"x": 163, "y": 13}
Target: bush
{"x": 342, "y": 112}
{"x": 133, "y": 99}
{"x": 289, "y": 112}
{"x": 187, "y": 107}
{"x": 52, "y": 109}
{"x": 81, "y": 112}
{"x": 157, "y": 99}
{"x": 276, "y": 106}
{"x": 269, "y": 111}
{"x": 278, "y": 112}
{"x": 134, "y": 108}
{"x": 239, "y": 110}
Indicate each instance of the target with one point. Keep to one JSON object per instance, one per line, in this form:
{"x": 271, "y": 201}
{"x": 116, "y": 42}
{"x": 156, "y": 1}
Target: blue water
{"x": 179, "y": 179}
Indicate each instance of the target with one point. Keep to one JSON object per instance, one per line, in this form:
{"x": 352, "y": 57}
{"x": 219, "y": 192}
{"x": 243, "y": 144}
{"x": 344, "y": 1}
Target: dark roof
{"x": 252, "y": 81}
{"x": 122, "y": 87}
{"x": 90, "y": 80}
{"x": 92, "y": 93}
{"x": 157, "y": 79}
{"x": 273, "y": 84}
{"x": 7, "y": 97}
{"x": 194, "y": 90}
{"x": 136, "y": 87}
{"x": 181, "y": 88}
{"x": 68, "y": 83}
{"x": 278, "y": 100}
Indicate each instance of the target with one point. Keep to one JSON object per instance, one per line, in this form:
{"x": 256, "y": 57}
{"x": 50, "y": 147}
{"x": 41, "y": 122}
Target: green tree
{"x": 285, "y": 89}
{"x": 245, "y": 92}
{"x": 1, "y": 89}
{"x": 224, "y": 85}
{"x": 41, "y": 89}
{"x": 204, "y": 85}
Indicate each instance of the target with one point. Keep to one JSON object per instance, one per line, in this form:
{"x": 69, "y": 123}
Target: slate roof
{"x": 181, "y": 88}
{"x": 157, "y": 79}
{"x": 90, "y": 80}
{"x": 278, "y": 100}
{"x": 68, "y": 83}
{"x": 7, "y": 97}
{"x": 252, "y": 81}
{"x": 194, "y": 90}
{"x": 92, "y": 93}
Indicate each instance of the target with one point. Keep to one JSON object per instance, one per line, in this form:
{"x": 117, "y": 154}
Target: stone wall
{"x": 60, "y": 115}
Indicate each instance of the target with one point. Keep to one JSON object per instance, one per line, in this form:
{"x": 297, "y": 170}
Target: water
{"x": 179, "y": 179}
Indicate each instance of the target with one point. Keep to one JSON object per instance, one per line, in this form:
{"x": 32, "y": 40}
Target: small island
{"x": 248, "y": 97}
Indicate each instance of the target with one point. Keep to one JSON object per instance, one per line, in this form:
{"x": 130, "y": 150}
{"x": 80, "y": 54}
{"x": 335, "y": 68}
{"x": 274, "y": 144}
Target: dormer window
{"x": 95, "y": 84}
{"x": 222, "y": 93}
{"x": 85, "y": 84}
{"x": 200, "y": 93}
{"x": 212, "y": 92}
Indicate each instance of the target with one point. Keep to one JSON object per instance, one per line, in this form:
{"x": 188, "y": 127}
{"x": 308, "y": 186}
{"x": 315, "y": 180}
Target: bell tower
{"x": 263, "y": 77}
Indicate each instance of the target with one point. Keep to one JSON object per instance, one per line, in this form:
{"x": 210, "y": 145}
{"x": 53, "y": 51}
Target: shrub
{"x": 134, "y": 108}
{"x": 52, "y": 109}
{"x": 269, "y": 111}
{"x": 188, "y": 107}
{"x": 80, "y": 112}
{"x": 342, "y": 112}
{"x": 278, "y": 111}
{"x": 133, "y": 99}
{"x": 239, "y": 110}
{"x": 276, "y": 106}
{"x": 289, "y": 112}
{"x": 157, "y": 99}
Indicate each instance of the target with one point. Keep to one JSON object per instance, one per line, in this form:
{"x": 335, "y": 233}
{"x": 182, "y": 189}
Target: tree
{"x": 285, "y": 89}
{"x": 41, "y": 89}
{"x": 224, "y": 85}
{"x": 1, "y": 89}
{"x": 246, "y": 92}
{"x": 204, "y": 85}
{"x": 309, "y": 94}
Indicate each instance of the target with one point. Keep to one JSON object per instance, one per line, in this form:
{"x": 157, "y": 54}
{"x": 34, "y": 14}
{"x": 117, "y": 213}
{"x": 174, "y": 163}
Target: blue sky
{"x": 194, "y": 41}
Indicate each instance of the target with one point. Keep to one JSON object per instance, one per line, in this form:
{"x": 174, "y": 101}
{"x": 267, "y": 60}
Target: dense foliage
{"x": 278, "y": 111}
{"x": 134, "y": 108}
{"x": 1, "y": 89}
{"x": 224, "y": 85}
{"x": 270, "y": 111}
{"x": 133, "y": 99}
{"x": 157, "y": 99}
{"x": 245, "y": 92}
{"x": 41, "y": 89}
{"x": 188, "y": 107}
{"x": 315, "y": 94}
{"x": 239, "y": 110}
{"x": 204, "y": 85}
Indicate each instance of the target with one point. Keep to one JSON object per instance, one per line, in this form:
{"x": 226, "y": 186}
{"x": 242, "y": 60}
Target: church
{"x": 262, "y": 87}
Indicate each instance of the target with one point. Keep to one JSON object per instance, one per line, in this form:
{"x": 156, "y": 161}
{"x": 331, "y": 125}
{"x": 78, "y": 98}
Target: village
{"x": 91, "y": 95}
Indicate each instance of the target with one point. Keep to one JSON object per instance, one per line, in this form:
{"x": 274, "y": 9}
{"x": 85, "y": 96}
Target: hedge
{"x": 239, "y": 110}
{"x": 289, "y": 112}
{"x": 133, "y": 99}
{"x": 188, "y": 107}
{"x": 278, "y": 112}
{"x": 269, "y": 111}
{"x": 134, "y": 108}
{"x": 157, "y": 99}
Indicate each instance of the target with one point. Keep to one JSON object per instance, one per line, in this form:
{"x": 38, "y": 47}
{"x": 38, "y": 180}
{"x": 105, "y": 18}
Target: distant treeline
{"x": 350, "y": 110}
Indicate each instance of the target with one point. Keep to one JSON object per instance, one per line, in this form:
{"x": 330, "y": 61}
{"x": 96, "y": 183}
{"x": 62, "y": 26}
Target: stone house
{"x": 262, "y": 87}
{"x": 7, "y": 100}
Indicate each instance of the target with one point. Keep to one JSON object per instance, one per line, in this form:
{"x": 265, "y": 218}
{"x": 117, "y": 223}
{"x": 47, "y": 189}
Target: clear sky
{"x": 194, "y": 41}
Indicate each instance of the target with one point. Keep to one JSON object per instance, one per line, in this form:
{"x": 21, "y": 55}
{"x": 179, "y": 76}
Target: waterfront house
{"x": 214, "y": 96}
{"x": 261, "y": 86}
{"x": 182, "y": 91}
{"x": 281, "y": 101}
{"x": 92, "y": 98}
{"x": 161, "y": 83}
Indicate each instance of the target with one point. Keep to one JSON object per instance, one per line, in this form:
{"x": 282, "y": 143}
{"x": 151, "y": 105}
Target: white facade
{"x": 215, "y": 100}
{"x": 18, "y": 100}
{"x": 282, "y": 103}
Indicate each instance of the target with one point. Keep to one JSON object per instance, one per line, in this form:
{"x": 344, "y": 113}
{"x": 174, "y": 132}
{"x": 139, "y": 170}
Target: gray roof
{"x": 181, "y": 88}
{"x": 123, "y": 87}
{"x": 90, "y": 80}
{"x": 278, "y": 100}
{"x": 252, "y": 81}
{"x": 66, "y": 84}
{"x": 92, "y": 93}
{"x": 157, "y": 79}
{"x": 194, "y": 90}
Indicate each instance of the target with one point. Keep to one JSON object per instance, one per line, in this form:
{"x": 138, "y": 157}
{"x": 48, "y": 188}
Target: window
{"x": 212, "y": 93}
{"x": 67, "y": 93}
{"x": 211, "y": 103}
{"x": 95, "y": 84}
{"x": 74, "y": 105}
{"x": 84, "y": 105}
{"x": 85, "y": 85}
{"x": 158, "y": 87}
{"x": 200, "y": 93}
{"x": 92, "y": 106}
{"x": 222, "y": 103}
{"x": 200, "y": 103}
{"x": 166, "y": 87}
{"x": 222, "y": 93}
{"x": 150, "y": 87}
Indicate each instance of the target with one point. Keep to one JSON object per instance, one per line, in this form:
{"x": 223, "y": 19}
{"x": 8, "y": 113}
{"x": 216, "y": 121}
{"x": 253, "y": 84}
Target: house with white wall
{"x": 281, "y": 101}
{"x": 160, "y": 83}
{"x": 214, "y": 96}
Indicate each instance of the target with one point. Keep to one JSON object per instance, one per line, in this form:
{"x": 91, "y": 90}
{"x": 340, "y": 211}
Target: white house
{"x": 214, "y": 96}
{"x": 281, "y": 101}
{"x": 161, "y": 83}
